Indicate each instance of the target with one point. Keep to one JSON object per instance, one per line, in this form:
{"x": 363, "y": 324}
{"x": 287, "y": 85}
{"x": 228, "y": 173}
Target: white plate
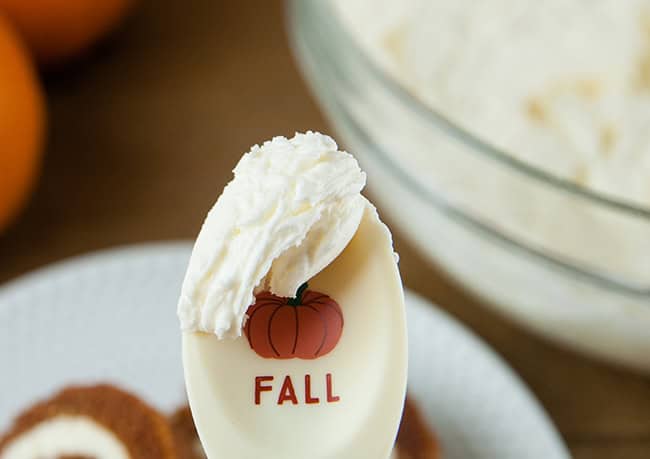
{"x": 111, "y": 317}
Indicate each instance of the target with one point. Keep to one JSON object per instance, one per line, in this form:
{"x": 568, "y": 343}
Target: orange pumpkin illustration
{"x": 305, "y": 327}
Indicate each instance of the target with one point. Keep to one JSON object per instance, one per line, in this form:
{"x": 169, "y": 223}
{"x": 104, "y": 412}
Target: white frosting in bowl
{"x": 563, "y": 85}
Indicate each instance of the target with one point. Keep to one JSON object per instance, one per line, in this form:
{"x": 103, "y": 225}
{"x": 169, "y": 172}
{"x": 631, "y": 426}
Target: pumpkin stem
{"x": 298, "y": 298}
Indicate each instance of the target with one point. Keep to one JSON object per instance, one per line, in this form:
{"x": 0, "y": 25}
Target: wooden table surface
{"x": 144, "y": 134}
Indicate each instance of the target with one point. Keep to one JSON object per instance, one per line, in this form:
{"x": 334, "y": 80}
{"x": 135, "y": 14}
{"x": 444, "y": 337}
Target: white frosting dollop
{"x": 66, "y": 436}
{"x": 292, "y": 207}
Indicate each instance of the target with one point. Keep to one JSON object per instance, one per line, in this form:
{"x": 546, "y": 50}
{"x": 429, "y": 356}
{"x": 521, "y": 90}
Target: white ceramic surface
{"x": 111, "y": 317}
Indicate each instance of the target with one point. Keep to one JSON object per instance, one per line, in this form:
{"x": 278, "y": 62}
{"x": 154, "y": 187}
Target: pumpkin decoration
{"x": 305, "y": 327}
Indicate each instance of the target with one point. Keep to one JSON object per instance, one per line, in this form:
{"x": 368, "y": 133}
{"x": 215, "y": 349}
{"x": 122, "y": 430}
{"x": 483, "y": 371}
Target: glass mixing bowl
{"x": 571, "y": 264}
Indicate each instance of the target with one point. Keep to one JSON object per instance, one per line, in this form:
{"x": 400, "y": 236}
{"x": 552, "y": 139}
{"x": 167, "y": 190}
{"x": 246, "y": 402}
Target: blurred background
{"x": 140, "y": 131}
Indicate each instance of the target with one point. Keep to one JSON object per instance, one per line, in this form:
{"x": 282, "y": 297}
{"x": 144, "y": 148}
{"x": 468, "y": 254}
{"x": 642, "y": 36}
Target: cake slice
{"x": 415, "y": 439}
{"x": 187, "y": 440}
{"x": 87, "y": 423}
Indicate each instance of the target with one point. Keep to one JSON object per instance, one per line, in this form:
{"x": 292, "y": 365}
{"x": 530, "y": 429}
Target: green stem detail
{"x": 298, "y": 298}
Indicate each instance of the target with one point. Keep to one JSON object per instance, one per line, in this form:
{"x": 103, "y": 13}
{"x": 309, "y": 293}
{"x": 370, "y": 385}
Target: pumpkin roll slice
{"x": 93, "y": 422}
{"x": 187, "y": 440}
{"x": 415, "y": 439}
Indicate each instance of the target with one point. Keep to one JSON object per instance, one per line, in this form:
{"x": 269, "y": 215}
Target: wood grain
{"x": 144, "y": 134}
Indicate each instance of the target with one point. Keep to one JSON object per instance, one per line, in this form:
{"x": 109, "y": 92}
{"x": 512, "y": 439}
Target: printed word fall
{"x": 287, "y": 391}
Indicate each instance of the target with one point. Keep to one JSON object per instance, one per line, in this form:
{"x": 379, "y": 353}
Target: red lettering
{"x": 308, "y": 398}
{"x": 259, "y": 388}
{"x": 287, "y": 392}
{"x": 331, "y": 398}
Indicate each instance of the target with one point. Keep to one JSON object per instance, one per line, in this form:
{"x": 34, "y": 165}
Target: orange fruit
{"x": 59, "y": 29}
{"x": 21, "y": 123}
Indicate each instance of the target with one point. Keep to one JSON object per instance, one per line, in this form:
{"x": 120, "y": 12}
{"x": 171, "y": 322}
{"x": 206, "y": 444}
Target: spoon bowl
{"x": 345, "y": 404}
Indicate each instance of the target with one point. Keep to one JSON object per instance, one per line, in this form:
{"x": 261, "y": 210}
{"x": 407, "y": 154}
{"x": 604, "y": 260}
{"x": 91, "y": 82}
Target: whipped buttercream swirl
{"x": 292, "y": 207}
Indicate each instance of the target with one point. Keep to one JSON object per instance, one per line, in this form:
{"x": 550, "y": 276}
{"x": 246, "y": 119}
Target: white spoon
{"x": 344, "y": 404}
